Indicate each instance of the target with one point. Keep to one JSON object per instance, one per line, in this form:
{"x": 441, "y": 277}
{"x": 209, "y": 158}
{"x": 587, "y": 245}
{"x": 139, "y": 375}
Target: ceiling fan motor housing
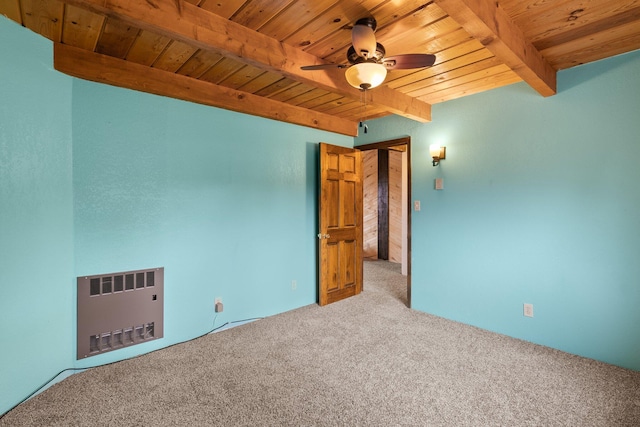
{"x": 354, "y": 58}
{"x": 367, "y": 22}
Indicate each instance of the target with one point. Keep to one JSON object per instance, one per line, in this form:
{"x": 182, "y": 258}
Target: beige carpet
{"x": 366, "y": 361}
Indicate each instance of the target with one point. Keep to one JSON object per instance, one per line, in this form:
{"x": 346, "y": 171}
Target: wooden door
{"x": 340, "y": 218}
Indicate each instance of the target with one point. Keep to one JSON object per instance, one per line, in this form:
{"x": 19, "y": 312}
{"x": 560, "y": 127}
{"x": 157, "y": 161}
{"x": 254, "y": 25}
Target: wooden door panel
{"x": 348, "y": 164}
{"x": 348, "y": 262}
{"x": 348, "y": 204}
{"x": 333, "y": 162}
{"x": 332, "y": 202}
{"x": 333, "y": 264}
{"x": 340, "y": 215}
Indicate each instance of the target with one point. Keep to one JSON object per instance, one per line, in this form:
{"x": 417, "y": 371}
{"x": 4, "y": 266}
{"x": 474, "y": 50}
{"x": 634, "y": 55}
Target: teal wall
{"x": 36, "y": 215}
{"x": 540, "y": 205}
{"x": 96, "y": 179}
{"x": 225, "y": 202}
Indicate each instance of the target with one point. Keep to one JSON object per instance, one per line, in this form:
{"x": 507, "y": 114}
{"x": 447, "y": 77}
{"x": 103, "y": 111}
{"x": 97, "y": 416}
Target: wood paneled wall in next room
{"x": 370, "y": 204}
{"x": 383, "y": 207}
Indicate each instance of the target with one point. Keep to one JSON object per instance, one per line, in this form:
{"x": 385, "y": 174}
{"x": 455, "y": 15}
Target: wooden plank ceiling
{"x": 245, "y": 55}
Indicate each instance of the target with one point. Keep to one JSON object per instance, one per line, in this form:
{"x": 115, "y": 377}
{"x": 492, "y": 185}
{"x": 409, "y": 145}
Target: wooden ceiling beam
{"x": 100, "y": 68}
{"x": 188, "y": 23}
{"x": 486, "y": 21}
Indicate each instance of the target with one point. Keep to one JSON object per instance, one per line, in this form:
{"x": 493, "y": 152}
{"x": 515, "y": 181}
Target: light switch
{"x": 439, "y": 184}
{"x": 416, "y": 205}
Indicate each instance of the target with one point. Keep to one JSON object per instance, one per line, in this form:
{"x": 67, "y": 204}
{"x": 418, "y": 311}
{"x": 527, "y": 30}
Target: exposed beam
{"x": 188, "y": 23}
{"x": 486, "y": 21}
{"x": 118, "y": 72}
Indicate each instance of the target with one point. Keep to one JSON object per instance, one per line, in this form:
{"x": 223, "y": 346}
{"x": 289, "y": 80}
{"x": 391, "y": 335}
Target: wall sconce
{"x": 437, "y": 153}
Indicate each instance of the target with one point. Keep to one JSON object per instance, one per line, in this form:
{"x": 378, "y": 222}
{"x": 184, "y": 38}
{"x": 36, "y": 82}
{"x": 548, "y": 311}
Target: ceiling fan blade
{"x": 363, "y": 39}
{"x": 409, "y": 60}
{"x": 322, "y": 67}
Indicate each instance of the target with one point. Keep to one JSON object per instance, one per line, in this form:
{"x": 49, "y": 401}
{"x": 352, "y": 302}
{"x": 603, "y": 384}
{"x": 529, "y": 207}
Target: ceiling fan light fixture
{"x": 366, "y": 75}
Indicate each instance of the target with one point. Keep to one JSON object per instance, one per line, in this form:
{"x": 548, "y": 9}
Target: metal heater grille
{"x": 117, "y": 310}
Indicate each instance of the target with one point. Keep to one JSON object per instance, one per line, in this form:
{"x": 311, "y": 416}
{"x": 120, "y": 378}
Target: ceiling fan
{"x": 368, "y": 64}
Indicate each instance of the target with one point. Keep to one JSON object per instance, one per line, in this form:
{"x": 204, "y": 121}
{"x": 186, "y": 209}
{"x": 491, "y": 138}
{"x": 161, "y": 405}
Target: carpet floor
{"x": 364, "y": 361}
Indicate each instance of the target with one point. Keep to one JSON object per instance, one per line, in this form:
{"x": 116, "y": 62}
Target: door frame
{"x": 393, "y": 143}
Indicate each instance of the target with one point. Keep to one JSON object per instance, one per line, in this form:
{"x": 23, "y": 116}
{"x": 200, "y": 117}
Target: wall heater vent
{"x": 117, "y": 310}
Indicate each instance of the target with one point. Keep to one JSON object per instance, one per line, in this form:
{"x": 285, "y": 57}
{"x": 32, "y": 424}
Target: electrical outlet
{"x": 294, "y": 285}
{"x": 217, "y": 305}
{"x": 528, "y": 310}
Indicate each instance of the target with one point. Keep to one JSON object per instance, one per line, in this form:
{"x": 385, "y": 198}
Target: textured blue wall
{"x": 225, "y": 202}
{"x": 540, "y": 205}
{"x": 36, "y": 222}
{"x": 96, "y": 179}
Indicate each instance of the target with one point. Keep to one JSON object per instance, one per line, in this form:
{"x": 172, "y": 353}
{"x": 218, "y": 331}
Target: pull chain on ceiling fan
{"x": 369, "y": 65}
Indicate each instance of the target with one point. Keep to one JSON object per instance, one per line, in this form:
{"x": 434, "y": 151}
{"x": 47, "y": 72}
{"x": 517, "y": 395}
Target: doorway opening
{"x": 387, "y": 204}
